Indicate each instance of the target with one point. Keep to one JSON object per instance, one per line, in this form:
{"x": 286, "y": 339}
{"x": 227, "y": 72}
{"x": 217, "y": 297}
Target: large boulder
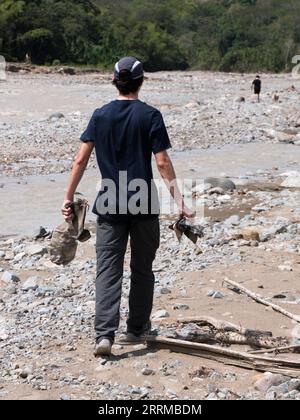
{"x": 292, "y": 180}
{"x": 224, "y": 183}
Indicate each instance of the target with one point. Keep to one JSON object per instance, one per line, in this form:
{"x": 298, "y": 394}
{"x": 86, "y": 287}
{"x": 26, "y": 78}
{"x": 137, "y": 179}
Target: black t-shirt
{"x": 257, "y": 84}
{"x": 126, "y": 133}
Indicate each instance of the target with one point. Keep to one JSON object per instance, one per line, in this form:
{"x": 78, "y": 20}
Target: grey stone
{"x": 212, "y": 396}
{"x": 215, "y": 294}
{"x": 181, "y": 306}
{"x": 65, "y": 397}
{"x": 36, "y": 249}
{"x": 11, "y": 289}
{"x": 268, "y": 380}
{"x": 271, "y": 395}
{"x": 224, "y": 183}
{"x": 165, "y": 291}
{"x": 8, "y": 277}
{"x": 161, "y": 314}
{"x": 19, "y": 257}
{"x": 280, "y": 389}
{"x": 30, "y": 284}
{"x": 147, "y": 371}
{"x": 233, "y": 220}
{"x": 285, "y": 268}
{"x": 211, "y": 388}
{"x": 25, "y": 372}
{"x": 292, "y": 181}
{"x": 56, "y": 116}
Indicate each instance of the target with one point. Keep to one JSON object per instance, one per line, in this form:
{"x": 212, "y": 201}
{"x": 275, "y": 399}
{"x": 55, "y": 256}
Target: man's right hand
{"x": 67, "y": 210}
{"x": 186, "y": 212}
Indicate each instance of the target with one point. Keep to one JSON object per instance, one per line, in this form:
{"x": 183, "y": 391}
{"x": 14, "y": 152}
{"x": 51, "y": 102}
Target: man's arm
{"x": 79, "y": 166}
{"x": 166, "y": 169}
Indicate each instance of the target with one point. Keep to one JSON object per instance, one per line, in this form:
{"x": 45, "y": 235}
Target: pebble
{"x": 285, "y": 268}
{"x": 181, "y": 306}
{"x": 8, "y": 277}
{"x": 161, "y": 314}
{"x": 31, "y": 283}
{"x": 215, "y": 294}
{"x": 147, "y": 371}
{"x": 35, "y": 249}
{"x": 265, "y": 381}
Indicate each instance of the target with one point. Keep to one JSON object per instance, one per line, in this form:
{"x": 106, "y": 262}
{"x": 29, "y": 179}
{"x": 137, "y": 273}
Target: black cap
{"x": 128, "y": 68}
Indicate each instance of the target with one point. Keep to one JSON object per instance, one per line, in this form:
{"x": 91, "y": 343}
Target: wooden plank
{"x": 227, "y": 356}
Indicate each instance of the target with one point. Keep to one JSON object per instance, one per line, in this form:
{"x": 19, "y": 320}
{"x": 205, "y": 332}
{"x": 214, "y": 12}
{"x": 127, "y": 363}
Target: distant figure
{"x": 256, "y": 84}
{"x": 27, "y": 59}
{"x": 275, "y": 97}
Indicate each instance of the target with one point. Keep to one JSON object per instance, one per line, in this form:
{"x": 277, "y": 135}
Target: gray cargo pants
{"x": 111, "y": 247}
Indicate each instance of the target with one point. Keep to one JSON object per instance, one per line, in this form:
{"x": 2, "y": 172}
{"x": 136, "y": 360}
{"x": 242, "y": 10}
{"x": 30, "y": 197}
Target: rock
{"x": 285, "y": 268}
{"x": 260, "y": 208}
{"x": 69, "y": 70}
{"x": 216, "y": 376}
{"x": 36, "y": 249}
{"x": 267, "y": 380}
{"x": 211, "y": 388}
{"x": 217, "y": 190}
{"x": 2, "y": 254}
{"x": 9, "y": 255}
{"x": 41, "y": 232}
{"x": 181, "y": 306}
{"x": 212, "y": 396}
{"x": 280, "y": 389}
{"x": 161, "y": 314}
{"x": 292, "y": 181}
{"x": 19, "y": 257}
{"x": 241, "y": 99}
{"x": 279, "y": 296}
{"x": 271, "y": 395}
{"x": 25, "y": 372}
{"x": 250, "y": 234}
{"x": 65, "y": 397}
{"x": 8, "y": 277}
{"x": 223, "y": 183}
{"x": 224, "y": 198}
{"x": 147, "y": 371}
{"x": 30, "y": 284}
{"x": 56, "y": 116}
{"x": 192, "y": 105}
{"x": 233, "y": 220}
{"x": 283, "y": 137}
{"x": 215, "y": 294}
{"x": 11, "y": 289}
{"x": 165, "y": 291}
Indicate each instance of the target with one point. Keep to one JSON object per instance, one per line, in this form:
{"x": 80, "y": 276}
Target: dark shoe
{"x": 103, "y": 347}
{"x": 130, "y": 338}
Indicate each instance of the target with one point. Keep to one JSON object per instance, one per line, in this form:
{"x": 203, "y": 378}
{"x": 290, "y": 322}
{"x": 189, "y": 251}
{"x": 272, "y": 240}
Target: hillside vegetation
{"x": 226, "y": 35}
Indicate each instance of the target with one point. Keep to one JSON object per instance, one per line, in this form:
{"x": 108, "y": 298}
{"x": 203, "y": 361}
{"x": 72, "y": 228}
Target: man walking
{"x": 125, "y": 133}
{"x": 256, "y": 85}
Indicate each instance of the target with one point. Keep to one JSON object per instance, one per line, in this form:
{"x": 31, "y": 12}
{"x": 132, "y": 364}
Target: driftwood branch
{"x": 209, "y": 330}
{"x": 285, "y": 349}
{"x": 259, "y": 299}
{"x": 228, "y": 357}
{"x": 220, "y": 324}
